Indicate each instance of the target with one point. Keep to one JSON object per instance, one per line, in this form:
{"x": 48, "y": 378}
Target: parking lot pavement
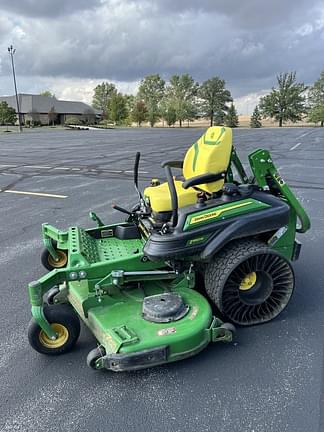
{"x": 269, "y": 379}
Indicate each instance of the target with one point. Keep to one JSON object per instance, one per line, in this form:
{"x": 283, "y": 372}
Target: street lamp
{"x": 12, "y": 51}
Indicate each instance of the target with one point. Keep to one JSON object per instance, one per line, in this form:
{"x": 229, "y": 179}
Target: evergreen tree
{"x": 287, "y": 102}
{"x": 255, "y": 121}
{"x": 214, "y": 97}
{"x": 231, "y": 118}
{"x": 151, "y": 91}
{"x": 219, "y": 118}
{"x": 316, "y": 101}
{"x": 102, "y": 95}
{"x": 7, "y": 114}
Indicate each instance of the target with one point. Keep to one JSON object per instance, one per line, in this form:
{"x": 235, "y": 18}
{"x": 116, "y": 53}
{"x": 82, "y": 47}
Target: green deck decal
{"x": 223, "y": 212}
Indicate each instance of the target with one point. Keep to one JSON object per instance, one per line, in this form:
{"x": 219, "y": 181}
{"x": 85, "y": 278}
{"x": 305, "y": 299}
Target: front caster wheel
{"x": 249, "y": 282}
{"x": 93, "y": 356}
{"x": 66, "y": 325}
{"x": 49, "y": 262}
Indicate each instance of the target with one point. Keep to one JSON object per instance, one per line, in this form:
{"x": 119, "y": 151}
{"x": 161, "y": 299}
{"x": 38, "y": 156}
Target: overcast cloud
{"x": 70, "y": 46}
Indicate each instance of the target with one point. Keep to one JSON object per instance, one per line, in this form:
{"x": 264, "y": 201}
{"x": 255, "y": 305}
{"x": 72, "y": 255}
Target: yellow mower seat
{"x": 210, "y": 154}
{"x": 160, "y": 198}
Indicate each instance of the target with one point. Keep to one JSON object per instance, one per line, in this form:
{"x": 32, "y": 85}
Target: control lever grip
{"x": 121, "y": 209}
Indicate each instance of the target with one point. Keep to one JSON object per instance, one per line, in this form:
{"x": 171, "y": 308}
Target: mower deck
{"x": 132, "y": 342}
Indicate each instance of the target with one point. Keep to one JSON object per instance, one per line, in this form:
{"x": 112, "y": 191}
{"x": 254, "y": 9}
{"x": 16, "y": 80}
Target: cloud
{"x": 78, "y": 42}
{"x": 47, "y": 8}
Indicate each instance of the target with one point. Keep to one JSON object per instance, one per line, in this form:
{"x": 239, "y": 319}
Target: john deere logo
{"x": 217, "y": 213}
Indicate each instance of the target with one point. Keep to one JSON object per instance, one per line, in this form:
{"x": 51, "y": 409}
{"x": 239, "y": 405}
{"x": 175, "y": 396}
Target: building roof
{"x": 44, "y": 104}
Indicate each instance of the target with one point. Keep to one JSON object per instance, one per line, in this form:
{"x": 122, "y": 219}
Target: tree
{"x": 191, "y": 112}
{"x": 102, "y": 95}
{"x": 214, "y": 97}
{"x": 130, "y": 101}
{"x": 316, "y": 115}
{"x": 181, "y": 93}
{"x": 139, "y": 112}
{"x": 151, "y": 91}
{"x": 255, "y": 121}
{"x": 316, "y": 101}
{"x": 7, "y": 114}
{"x": 287, "y": 102}
{"x": 231, "y": 118}
{"x": 219, "y": 117}
{"x": 47, "y": 93}
{"x": 117, "y": 108}
{"x": 170, "y": 116}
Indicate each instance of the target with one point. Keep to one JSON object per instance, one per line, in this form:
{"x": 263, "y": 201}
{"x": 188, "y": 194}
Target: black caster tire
{"x": 93, "y": 356}
{"x": 66, "y": 324}
{"x": 50, "y": 294}
{"x": 249, "y": 282}
{"x": 49, "y": 263}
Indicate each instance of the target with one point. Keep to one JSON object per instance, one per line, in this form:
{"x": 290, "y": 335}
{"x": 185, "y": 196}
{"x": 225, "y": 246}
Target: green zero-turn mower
{"x": 212, "y": 239}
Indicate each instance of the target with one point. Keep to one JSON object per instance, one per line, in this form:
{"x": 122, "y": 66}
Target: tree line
{"x": 181, "y": 99}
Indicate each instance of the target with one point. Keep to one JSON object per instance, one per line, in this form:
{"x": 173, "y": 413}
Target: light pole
{"x": 12, "y": 51}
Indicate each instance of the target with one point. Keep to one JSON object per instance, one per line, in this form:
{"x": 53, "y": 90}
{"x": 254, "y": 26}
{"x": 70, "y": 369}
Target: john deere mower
{"x": 198, "y": 254}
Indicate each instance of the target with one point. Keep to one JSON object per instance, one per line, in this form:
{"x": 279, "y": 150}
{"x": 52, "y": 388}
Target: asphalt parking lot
{"x": 269, "y": 379}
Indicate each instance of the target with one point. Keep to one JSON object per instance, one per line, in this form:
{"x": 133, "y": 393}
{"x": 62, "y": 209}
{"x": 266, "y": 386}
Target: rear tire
{"x": 249, "y": 282}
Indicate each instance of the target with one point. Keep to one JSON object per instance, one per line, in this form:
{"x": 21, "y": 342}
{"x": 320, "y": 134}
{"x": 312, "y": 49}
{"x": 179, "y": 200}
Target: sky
{"x": 69, "y": 46}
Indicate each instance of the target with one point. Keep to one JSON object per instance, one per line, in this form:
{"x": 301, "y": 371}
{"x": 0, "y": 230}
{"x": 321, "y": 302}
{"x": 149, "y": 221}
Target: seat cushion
{"x": 210, "y": 154}
{"x": 160, "y": 198}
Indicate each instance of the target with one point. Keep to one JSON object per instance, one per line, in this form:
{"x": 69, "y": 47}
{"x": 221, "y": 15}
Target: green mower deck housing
{"x": 138, "y": 284}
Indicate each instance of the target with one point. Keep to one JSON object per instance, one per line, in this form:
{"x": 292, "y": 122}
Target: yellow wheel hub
{"x": 62, "y": 336}
{"x": 61, "y": 262}
{"x": 248, "y": 281}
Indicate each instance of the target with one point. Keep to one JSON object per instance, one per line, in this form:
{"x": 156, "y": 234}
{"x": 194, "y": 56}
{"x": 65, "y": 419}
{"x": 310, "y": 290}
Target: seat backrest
{"x": 210, "y": 154}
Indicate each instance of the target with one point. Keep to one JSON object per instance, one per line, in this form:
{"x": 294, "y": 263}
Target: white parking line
{"x": 7, "y": 166}
{"x": 37, "y": 166}
{"x": 305, "y": 134}
{"x": 40, "y": 194}
{"x": 62, "y": 168}
{"x": 295, "y": 146}
{"x": 139, "y": 172}
{"x": 112, "y": 171}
